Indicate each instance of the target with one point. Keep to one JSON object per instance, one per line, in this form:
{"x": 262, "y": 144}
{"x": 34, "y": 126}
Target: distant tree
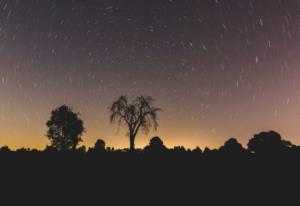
{"x": 197, "y": 150}
{"x": 179, "y": 149}
{"x": 99, "y": 146}
{"x": 35, "y": 151}
{"x": 209, "y": 152}
{"x": 156, "y": 142}
{"x": 65, "y": 128}
{"x": 206, "y": 150}
{"x": 82, "y": 149}
{"x": 110, "y": 149}
{"x": 136, "y": 115}
{"x": 5, "y": 149}
{"x": 155, "y": 145}
{"x": 232, "y": 146}
{"x": 23, "y": 150}
{"x": 268, "y": 142}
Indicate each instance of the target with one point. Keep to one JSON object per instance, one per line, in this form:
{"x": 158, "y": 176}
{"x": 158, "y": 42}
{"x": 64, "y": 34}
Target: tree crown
{"x": 138, "y": 114}
{"x": 65, "y": 128}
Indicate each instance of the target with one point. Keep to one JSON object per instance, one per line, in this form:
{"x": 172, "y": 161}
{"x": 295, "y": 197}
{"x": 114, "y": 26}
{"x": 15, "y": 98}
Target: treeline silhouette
{"x": 64, "y": 173}
{"x": 264, "y": 173}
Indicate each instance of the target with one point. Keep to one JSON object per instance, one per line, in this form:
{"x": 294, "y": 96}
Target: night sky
{"x": 217, "y": 68}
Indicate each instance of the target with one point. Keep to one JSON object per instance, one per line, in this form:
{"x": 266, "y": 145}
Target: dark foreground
{"x": 168, "y": 178}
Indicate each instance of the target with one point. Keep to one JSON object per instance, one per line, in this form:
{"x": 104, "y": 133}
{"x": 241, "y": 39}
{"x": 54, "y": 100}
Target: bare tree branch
{"x": 140, "y": 113}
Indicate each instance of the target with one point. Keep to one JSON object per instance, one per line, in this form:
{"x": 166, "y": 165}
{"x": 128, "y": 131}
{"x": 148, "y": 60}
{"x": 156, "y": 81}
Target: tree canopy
{"x": 136, "y": 115}
{"x": 65, "y": 128}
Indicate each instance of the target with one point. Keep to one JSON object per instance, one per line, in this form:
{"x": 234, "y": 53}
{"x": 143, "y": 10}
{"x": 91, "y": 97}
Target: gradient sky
{"x": 218, "y": 68}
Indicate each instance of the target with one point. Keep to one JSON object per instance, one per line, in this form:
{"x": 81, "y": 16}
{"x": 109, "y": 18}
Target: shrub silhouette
{"x": 136, "y": 115}
{"x": 65, "y": 128}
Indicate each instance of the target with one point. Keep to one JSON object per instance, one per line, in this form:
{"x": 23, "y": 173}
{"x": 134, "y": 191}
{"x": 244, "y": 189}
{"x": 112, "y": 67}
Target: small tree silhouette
{"x": 155, "y": 145}
{"x": 139, "y": 114}
{"x": 65, "y": 128}
{"x": 99, "y": 146}
{"x": 5, "y": 149}
{"x": 232, "y": 146}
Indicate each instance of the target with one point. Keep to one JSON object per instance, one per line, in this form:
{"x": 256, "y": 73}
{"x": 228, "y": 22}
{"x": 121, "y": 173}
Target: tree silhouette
{"x": 65, "y": 128}
{"x": 197, "y": 150}
{"x": 155, "y": 145}
{"x": 268, "y": 142}
{"x": 82, "y": 149}
{"x": 99, "y": 146}
{"x": 136, "y": 115}
{"x": 5, "y": 149}
{"x": 232, "y": 146}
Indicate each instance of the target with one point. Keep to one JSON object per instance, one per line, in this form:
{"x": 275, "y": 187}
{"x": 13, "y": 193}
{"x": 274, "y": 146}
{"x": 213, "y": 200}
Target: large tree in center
{"x": 65, "y": 128}
{"x": 137, "y": 114}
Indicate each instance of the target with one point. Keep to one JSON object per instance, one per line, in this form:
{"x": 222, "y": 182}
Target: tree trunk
{"x": 131, "y": 139}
